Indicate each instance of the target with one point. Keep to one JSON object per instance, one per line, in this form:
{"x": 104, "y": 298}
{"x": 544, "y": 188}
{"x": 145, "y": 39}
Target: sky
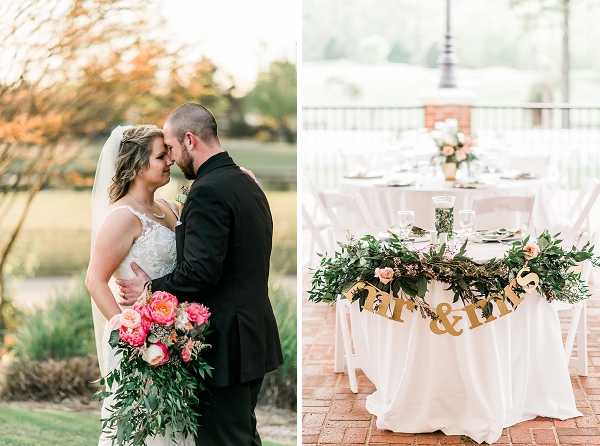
{"x": 240, "y": 36}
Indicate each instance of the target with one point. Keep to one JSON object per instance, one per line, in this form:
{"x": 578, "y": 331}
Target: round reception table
{"x": 385, "y": 201}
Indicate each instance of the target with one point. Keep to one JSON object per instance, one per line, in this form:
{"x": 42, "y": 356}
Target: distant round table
{"x": 385, "y": 201}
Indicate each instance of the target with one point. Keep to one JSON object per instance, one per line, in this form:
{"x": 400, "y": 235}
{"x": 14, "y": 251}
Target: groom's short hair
{"x": 194, "y": 118}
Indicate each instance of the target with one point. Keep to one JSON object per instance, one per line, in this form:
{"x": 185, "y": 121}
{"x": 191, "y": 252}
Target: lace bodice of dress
{"x": 154, "y": 251}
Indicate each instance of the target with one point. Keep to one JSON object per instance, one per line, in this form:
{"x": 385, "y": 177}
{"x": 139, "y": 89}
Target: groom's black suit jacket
{"x": 223, "y": 250}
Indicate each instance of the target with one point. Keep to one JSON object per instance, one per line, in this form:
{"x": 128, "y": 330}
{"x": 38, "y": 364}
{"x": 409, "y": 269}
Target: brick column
{"x": 443, "y": 103}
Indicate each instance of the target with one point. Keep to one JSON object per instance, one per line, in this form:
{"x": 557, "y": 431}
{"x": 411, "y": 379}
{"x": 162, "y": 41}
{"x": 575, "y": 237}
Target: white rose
{"x": 154, "y": 354}
{"x": 182, "y": 319}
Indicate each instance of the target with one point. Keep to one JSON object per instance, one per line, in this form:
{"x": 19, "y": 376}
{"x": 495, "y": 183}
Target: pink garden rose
{"x": 115, "y": 322}
{"x": 461, "y": 155}
{"x": 133, "y": 336}
{"x": 131, "y": 318}
{"x": 532, "y": 251}
{"x": 188, "y": 349}
{"x": 156, "y": 354}
{"x": 198, "y": 313}
{"x": 163, "y": 307}
{"x": 466, "y": 148}
{"x": 384, "y": 274}
{"x": 447, "y": 151}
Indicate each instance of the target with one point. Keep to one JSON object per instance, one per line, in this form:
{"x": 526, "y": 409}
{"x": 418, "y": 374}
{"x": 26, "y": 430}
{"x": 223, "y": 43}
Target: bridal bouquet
{"x": 155, "y": 383}
{"x": 453, "y": 146}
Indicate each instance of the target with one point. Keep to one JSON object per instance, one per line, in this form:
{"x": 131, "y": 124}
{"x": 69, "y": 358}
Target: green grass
{"x": 41, "y": 427}
{"x": 59, "y": 224}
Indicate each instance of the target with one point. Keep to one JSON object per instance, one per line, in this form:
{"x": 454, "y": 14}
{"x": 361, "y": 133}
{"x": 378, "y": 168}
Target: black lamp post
{"x": 448, "y": 58}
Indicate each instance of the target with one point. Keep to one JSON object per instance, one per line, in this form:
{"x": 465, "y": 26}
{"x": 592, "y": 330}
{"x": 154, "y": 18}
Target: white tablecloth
{"x": 496, "y": 375}
{"x": 385, "y": 201}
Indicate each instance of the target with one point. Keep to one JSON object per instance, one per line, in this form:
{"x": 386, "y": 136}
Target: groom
{"x": 223, "y": 249}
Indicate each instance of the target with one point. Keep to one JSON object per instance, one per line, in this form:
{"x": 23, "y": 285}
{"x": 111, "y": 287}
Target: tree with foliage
{"x": 73, "y": 70}
{"x": 399, "y": 53}
{"x": 531, "y": 11}
{"x": 274, "y": 98}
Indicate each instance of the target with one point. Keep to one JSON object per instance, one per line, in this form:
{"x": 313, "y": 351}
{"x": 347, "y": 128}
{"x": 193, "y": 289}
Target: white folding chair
{"x": 562, "y": 175}
{"x": 577, "y": 217}
{"x": 577, "y": 311}
{"x": 314, "y": 217}
{"x": 342, "y": 343}
{"x": 507, "y": 212}
{"x": 346, "y": 211}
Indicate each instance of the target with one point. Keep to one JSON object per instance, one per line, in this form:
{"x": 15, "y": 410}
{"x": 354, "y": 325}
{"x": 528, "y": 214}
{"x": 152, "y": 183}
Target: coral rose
{"x": 447, "y": 151}
{"x": 188, "y": 349}
{"x": 163, "y": 307}
{"x": 131, "y": 318}
{"x": 532, "y": 251}
{"x": 156, "y": 354}
{"x": 384, "y": 274}
{"x": 146, "y": 314}
{"x": 133, "y": 336}
{"x": 198, "y": 313}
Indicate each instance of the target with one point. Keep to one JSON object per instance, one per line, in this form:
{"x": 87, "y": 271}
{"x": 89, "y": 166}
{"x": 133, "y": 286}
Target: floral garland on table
{"x": 368, "y": 266}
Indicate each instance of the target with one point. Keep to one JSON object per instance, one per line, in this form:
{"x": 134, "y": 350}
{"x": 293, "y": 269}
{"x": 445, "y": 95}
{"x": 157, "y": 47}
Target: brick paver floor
{"x": 332, "y": 414}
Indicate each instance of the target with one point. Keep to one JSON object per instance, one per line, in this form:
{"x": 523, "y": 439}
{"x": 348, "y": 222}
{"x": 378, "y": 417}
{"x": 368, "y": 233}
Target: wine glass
{"x": 406, "y": 220}
{"x": 466, "y": 219}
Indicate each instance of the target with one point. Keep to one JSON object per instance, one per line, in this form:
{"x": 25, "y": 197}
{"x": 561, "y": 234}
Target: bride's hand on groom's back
{"x": 131, "y": 289}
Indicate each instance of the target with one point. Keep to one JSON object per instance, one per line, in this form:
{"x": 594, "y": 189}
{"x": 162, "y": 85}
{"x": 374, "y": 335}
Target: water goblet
{"x": 406, "y": 219}
{"x": 466, "y": 219}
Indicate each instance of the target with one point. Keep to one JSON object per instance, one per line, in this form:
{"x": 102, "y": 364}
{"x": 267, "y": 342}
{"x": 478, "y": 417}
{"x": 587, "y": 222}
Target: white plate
{"x": 367, "y": 176}
{"x": 394, "y": 184}
{"x": 459, "y": 185}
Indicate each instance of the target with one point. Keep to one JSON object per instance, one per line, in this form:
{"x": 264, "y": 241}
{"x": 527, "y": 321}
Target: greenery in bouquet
{"x": 156, "y": 382}
{"x": 453, "y": 146}
{"x": 393, "y": 267}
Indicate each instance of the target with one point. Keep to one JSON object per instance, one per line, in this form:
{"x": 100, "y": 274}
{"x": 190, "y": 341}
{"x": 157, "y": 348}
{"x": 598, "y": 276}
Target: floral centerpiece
{"x": 454, "y": 147}
{"x": 403, "y": 272}
{"x": 155, "y": 384}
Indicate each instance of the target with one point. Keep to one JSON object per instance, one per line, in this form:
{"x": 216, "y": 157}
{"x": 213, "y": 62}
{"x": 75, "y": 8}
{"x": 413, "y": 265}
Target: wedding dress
{"x": 154, "y": 252}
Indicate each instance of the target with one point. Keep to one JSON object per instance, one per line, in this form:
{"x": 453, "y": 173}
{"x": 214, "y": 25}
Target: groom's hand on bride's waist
{"x": 131, "y": 289}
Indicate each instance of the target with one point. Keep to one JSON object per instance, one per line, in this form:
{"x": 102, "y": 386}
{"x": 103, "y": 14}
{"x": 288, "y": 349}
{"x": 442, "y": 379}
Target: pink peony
{"x": 156, "y": 354}
{"x": 198, "y": 313}
{"x": 447, "y": 151}
{"x": 131, "y": 318}
{"x": 461, "y": 155}
{"x": 532, "y": 251}
{"x": 163, "y": 307}
{"x": 384, "y": 274}
{"x": 188, "y": 349}
{"x": 133, "y": 336}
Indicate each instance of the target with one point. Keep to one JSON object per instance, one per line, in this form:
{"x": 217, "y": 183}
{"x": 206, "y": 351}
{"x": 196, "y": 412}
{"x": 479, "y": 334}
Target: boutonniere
{"x": 182, "y": 197}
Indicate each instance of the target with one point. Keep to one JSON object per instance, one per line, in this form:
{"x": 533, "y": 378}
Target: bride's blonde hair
{"x": 134, "y": 155}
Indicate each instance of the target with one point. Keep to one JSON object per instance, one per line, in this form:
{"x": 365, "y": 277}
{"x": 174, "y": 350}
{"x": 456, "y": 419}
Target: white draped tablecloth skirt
{"x": 493, "y": 376}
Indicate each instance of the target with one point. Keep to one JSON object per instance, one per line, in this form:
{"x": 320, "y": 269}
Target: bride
{"x": 129, "y": 225}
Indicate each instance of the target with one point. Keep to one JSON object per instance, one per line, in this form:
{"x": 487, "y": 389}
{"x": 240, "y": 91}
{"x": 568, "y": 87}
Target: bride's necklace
{"x": 157, "y": 216}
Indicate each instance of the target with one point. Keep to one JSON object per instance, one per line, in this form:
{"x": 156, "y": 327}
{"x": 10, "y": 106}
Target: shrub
{"x": 50, "y": 380}
{"x": 280, "y": 387}
{"x": 55, "y": 350}
{"x": 61, "y": 329}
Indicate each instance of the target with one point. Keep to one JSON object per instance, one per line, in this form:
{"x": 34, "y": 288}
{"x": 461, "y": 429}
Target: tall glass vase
{"x": 444, "y": 214}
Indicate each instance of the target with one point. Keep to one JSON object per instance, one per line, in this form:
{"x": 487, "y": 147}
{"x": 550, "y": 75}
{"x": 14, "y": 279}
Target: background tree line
{"x": 72, "y": 70}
